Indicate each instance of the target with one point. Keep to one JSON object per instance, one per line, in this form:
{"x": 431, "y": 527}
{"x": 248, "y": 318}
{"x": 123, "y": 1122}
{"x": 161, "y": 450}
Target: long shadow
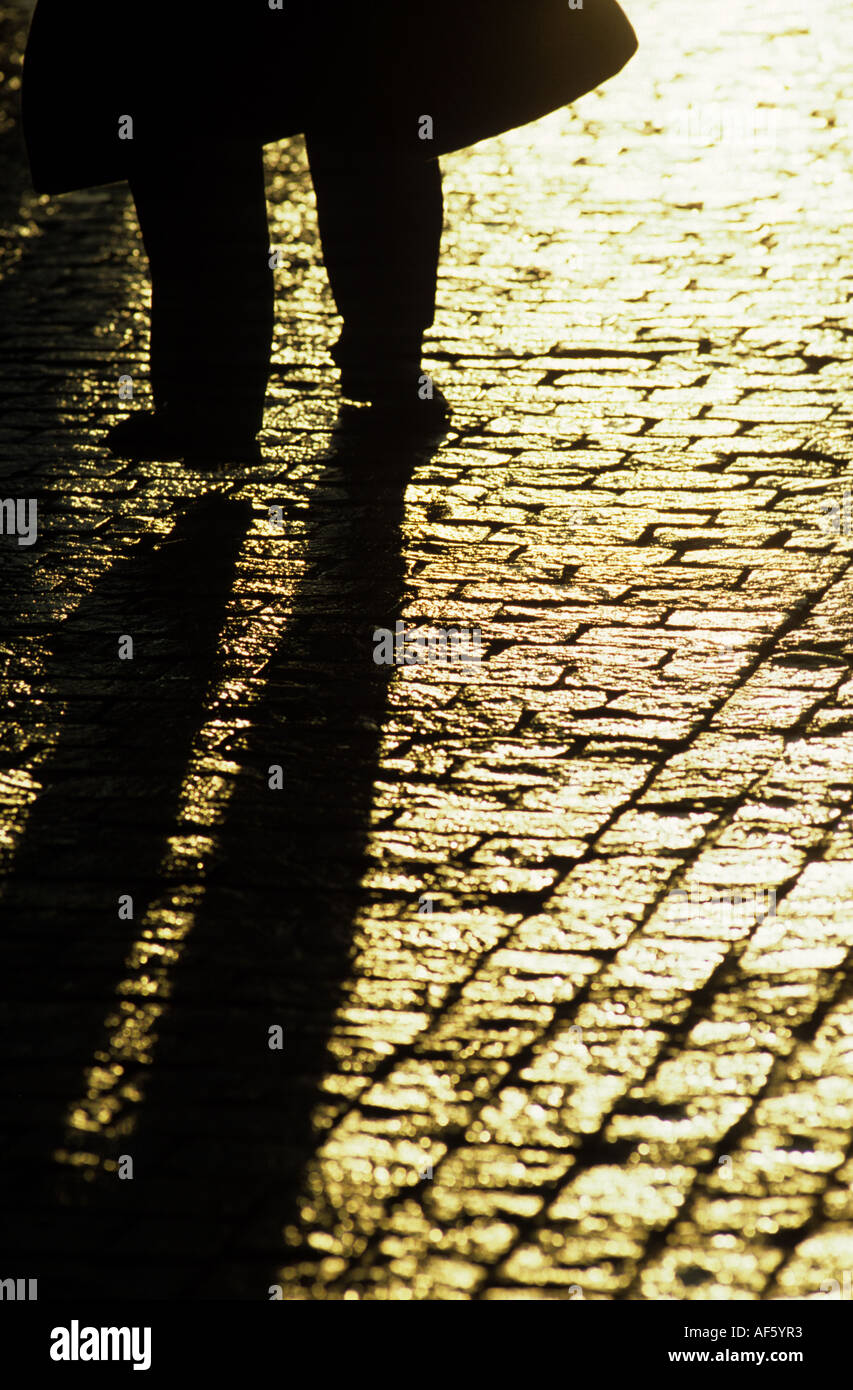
{"x": 97, "y": 831}
{"x": 226, "y": 1129}
{"x": 225, "y": 1126}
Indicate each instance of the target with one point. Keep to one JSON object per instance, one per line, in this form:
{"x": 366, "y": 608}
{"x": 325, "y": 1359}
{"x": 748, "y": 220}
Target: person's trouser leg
{"x": 380, "y": 220}
{"x": 204, "y": 224}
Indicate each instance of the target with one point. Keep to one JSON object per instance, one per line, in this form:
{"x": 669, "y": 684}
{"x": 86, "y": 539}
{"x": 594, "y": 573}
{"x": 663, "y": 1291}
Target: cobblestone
{"x": 510, "y": 1069}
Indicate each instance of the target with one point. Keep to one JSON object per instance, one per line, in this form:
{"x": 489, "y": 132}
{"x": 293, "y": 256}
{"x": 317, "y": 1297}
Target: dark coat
{"x": 366, "y": 74}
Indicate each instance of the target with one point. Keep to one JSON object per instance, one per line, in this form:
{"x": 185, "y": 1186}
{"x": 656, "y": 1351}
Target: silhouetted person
{"x": 179, "y": 99}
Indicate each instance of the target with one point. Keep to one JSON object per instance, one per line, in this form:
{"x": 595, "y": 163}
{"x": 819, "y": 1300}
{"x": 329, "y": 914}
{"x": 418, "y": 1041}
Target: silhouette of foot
{"x": 151, "y": 436}
{"x": 403, "y": 397}
{"x": 410, "y": 413}
{"x": 384, "y": 368}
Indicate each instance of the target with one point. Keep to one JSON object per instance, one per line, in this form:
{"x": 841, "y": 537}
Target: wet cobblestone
{"x": 515, "y": 1064}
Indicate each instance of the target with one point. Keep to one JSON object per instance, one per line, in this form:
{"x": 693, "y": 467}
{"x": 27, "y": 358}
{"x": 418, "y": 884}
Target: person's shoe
{"x": 407, "y": 398}
{"x": 413, "y": 414}
{"x": 384, "y": 369}
{"x": 152, "y": 436}
{"x": 144, "y": 436}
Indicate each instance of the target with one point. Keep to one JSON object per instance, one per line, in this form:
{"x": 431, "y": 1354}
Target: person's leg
{"x": 380, "y": 221}
{"x": 204, "y": 224}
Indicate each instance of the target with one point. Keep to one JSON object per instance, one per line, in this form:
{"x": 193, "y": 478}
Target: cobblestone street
{"x": 559, "y": 942}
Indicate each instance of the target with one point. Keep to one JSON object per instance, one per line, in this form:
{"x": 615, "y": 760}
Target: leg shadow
{"x": 97, "y": 832}
{"x": 228, "y": 1123}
